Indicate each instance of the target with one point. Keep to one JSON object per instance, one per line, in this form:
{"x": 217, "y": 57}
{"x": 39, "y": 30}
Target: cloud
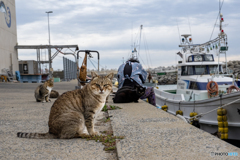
{"x": 111, "y": 27}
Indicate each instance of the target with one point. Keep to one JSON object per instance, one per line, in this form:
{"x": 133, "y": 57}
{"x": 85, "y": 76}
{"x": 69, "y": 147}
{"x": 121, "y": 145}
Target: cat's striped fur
{"x": 75, "y": 110}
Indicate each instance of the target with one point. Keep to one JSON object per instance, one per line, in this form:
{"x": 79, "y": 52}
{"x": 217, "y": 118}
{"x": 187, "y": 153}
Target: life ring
{"x": 231, "y": 88}
{"x": 212, "y": 89}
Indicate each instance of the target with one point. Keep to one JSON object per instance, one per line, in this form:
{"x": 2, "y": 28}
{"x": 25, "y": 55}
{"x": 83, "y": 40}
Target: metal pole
{"x": 49, "y": 49}
{"x": 48, "y": 30}
{"x": 49, "y": 25}
{"x": 226, "y": 61}
{"x": 98, "y": 66}
{"x": 64, "y": 69}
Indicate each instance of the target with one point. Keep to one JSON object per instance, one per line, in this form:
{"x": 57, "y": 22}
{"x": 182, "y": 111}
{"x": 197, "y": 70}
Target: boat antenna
{"x": 140, "y": 39}
{"x": 132, "y": 35}
{"x": 178, "y": 31}
{"x": 220, "y": 8}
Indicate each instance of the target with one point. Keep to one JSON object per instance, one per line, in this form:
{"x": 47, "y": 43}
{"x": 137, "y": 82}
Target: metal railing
{"x": 70, "y": 69}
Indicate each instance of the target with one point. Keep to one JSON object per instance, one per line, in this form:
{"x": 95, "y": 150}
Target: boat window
{"x": 190, "y": 70}
{"x": 190, "y": 59}
{"x": 198, "y": 58}
{"x": 213, "y": 69}
{"x": 208, "y": 57}
{"x": 184, "y": 70}
{"x": 199, "y": 70}
{"x": 193, "y": 85}
{"x": 2, "y": 7}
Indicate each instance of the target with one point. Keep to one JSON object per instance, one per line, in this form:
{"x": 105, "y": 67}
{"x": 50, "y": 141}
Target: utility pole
{"x": 49, "y": 49}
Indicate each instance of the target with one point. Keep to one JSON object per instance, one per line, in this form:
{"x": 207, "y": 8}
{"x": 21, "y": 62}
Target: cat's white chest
{"x": 49, "y": 89}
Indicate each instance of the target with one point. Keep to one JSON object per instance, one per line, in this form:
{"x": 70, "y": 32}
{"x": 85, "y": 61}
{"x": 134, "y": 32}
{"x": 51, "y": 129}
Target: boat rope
{"x": 201, "y": 114}
{"x": 92, "y": 63}
{"x": 165, "y": 101}
{"x": 142, "y": 60}
{"x": 194, "y": 106}
{"x": 212, "y": 89}
{"x": 97, "y": 63}
{"x": 179, "y": 32}
{"x": 149, "y": 61}
{"x": 183, "y": 118}
{"x": 220, "y": 99}
{"x": 231, "y": 88}
{"x": 146, "y": 51}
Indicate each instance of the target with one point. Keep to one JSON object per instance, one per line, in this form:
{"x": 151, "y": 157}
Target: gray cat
{"x": 75, "y": 111}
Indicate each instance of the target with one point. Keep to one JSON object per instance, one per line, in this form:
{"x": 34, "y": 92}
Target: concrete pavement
{"x": 20, "y": 112}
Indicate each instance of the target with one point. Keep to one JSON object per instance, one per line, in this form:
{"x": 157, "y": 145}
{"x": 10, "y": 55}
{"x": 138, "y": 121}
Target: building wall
{"x": 8, "y": 38}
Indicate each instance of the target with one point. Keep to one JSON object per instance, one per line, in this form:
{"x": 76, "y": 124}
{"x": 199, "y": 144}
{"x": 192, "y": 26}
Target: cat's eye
{"x": 97, "y": 85}
{"x": 105, "y": 85}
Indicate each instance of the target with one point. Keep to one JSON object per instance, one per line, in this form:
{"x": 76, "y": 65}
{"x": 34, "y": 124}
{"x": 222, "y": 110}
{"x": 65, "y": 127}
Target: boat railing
{"x": 169, "y": 96}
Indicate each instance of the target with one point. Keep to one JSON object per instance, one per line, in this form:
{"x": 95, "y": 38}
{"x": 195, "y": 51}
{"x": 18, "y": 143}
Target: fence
{"x": 70, "y": 69}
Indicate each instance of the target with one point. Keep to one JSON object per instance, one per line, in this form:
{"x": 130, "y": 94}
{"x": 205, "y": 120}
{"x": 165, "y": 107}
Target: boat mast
{"x": 222, "y": 43}
{"x": 135, "y": 54}
{"x": 140, "y": 38}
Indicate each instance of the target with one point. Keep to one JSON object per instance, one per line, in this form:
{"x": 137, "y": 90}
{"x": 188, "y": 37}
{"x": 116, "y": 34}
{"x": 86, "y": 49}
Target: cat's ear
{"x": 110, "y": 76}
{"x": 94, "y": 75}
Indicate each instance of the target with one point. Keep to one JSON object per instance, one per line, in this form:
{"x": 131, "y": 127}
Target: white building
{"x": 8, "y": 37}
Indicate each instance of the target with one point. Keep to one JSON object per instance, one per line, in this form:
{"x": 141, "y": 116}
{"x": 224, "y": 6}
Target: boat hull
{"x": 208, "y": 122}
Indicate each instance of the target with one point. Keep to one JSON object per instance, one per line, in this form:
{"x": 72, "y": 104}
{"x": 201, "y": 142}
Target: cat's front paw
{"x": 94, "y": 133}
{"x": 84, "y": 135}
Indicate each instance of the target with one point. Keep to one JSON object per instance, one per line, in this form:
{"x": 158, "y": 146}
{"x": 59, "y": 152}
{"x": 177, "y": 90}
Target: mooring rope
{"x": 201, "y": 114}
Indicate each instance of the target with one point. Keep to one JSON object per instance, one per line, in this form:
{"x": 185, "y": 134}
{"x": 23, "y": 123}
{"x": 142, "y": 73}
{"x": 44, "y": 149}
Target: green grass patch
{"x": 107, "y": 120}
{"x": 110, "y": 107}
{"x": 109, "y": 141}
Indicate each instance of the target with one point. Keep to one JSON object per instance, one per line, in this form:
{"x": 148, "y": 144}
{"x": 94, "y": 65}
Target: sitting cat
{"x": 76, "y": 110}
{"x": 43, "y": 91}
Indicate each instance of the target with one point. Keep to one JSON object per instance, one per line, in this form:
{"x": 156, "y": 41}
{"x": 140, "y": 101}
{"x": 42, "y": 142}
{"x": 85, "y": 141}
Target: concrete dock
{"x": 19, "y": 111}
{"x": 150, "y": 133}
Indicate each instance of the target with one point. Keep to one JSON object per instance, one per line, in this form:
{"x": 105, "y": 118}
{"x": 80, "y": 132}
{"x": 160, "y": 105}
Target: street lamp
{"x": 49, "y": 49}
{"x": 48, "y": 25}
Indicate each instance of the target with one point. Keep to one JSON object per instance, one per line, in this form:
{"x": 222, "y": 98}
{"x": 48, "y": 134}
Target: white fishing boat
{"x": 204, "y": 90}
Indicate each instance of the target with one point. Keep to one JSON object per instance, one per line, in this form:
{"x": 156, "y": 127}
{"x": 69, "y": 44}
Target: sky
{"x": 112, "y": 27}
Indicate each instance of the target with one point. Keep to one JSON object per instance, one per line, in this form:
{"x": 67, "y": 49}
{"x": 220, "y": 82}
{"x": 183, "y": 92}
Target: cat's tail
{"x": 54, "y": 94}
{"x": 36, "y": 135}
